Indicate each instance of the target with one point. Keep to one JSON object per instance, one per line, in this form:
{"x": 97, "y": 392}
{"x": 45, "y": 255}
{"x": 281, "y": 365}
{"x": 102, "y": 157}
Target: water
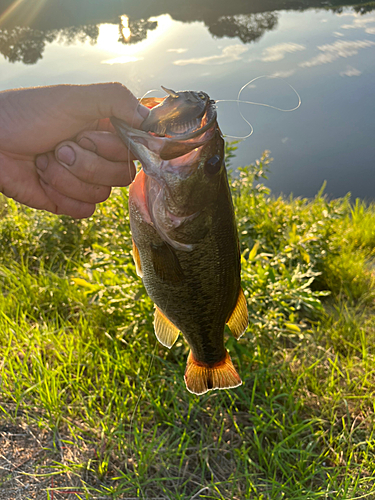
{"x": 326, "y": 54}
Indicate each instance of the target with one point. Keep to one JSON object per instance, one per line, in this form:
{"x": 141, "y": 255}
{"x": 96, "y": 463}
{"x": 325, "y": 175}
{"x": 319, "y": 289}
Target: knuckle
{"x": 119, "y": 87}
{"x": 114, "y": 89}
{"x": 122, "y": 94}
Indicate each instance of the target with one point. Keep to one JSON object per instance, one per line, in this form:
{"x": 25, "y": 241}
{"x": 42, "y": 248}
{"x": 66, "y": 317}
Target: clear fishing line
{"x": 141, "y": 99}
{"x": 238, "y": 101}
{"x": 143, "y": 387}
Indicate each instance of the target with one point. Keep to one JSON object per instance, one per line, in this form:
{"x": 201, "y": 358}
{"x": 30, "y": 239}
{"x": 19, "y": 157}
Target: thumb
{"x": 102, "y": 100}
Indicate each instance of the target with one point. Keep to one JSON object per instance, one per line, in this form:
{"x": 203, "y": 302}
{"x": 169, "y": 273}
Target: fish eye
{"x": 202, "y": 96}
{"x": 213, "y": 165}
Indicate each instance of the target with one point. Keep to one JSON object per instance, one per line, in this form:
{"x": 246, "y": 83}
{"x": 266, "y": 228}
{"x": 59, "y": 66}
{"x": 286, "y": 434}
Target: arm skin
{"x": 58, "y": 149}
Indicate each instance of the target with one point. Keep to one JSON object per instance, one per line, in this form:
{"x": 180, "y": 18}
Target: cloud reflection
{"x": 178, "y": 51}
{"x": 359, "y": 22}
{"x": 122, "y": 60}
{"x": 331, "y": 52}
{"x": 350, "y": 71}
{"x": 284, "y": 74}
{"x": 277, "y": 52}
{"x": 228, "y": 55}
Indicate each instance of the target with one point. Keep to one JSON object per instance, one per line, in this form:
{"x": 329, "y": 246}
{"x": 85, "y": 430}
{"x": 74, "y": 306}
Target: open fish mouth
{"x": 181, "y": 115}
{"x": 176, "y": 125}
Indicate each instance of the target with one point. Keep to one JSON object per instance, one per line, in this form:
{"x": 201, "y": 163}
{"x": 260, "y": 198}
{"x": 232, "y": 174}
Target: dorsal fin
{"x": 137, "y": 260}
{"x": 239, "y": 318}
{"x": 165, "y": 331}
{"x": 171, "y": 92}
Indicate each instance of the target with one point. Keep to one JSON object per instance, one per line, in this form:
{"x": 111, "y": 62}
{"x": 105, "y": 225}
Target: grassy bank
{"x": 93, "y": 407}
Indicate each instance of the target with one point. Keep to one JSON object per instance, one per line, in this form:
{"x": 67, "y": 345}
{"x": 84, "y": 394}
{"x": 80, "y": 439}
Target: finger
{"x": 62, "y": 180}
{"x": 102, "y": 100}
{"x": 68, "y": 206}
{"x": 62, "y": 111}
{"x": 114, "y": 99}
{"x": 19, "y": 180}
{"x": 91, "y": 168}
{"x": 105, "y": 144}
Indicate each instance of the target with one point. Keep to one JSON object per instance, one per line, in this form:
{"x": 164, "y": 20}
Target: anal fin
{"x": 166, "y": 332}
{"x": 137, "y": 260}
{"x": 200, "y": 378}
{"x": 239, "y": 319}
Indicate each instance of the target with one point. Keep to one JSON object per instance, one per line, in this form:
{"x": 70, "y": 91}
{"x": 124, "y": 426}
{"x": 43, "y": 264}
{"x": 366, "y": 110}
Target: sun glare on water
{"x": 125, "y": 30}
{"x": 109, "y": 40}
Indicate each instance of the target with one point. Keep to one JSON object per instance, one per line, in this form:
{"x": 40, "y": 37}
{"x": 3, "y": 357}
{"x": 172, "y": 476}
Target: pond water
{"x": 325, "y": 52}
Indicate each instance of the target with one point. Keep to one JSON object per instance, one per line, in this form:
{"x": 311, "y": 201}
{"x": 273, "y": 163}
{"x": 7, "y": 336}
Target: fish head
{"x": 183, "y": 168}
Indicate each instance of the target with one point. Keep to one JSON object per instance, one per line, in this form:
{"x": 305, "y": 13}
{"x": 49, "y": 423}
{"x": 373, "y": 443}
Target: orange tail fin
{"x": 200, "y": 378}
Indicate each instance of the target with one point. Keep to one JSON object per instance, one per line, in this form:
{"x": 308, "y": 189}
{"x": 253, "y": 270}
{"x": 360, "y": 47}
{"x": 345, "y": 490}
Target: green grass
{"x": 103, "y": 407}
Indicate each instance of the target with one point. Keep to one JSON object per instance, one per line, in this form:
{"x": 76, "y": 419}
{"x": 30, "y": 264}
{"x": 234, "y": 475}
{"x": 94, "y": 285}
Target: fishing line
{"x": 141, "y": 99}
{"x": 238, "y": 101}
{"x": 143, "y": 387}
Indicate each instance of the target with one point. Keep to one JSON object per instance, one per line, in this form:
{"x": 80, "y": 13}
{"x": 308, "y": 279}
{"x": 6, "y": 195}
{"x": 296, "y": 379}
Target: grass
{"x": 93, "y": 407}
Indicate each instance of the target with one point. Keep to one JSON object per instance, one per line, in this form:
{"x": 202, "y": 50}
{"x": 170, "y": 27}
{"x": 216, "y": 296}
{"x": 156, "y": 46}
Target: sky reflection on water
{"x": 328, "y": 57}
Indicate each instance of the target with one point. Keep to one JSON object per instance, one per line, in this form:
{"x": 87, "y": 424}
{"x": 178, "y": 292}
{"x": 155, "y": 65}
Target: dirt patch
{"x": 28, "y": 457}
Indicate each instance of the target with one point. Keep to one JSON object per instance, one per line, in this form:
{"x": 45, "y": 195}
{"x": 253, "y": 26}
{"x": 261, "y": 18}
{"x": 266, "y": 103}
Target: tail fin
{"x": 200, "y": 378}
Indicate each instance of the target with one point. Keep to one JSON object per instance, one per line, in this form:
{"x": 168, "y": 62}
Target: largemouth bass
{"x": 185, "y": 242}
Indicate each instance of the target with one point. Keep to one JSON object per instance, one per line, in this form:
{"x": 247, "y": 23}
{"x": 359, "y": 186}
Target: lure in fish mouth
{"x": 185, "y": 242}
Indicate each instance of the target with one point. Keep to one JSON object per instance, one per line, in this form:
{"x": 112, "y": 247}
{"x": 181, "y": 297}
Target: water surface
{"x": 326, "y": 53}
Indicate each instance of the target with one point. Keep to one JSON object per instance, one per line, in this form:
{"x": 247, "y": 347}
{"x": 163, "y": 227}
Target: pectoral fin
{"x": 137, "y": 261}
{"x": 239, "y": 318}
{"x": 165, "y": 331}
{"x": 200, "y": 378}
{"x": 166, "y": 264}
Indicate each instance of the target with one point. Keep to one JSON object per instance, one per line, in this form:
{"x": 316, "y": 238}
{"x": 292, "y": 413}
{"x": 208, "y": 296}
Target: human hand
{"x": 58, "y": 149}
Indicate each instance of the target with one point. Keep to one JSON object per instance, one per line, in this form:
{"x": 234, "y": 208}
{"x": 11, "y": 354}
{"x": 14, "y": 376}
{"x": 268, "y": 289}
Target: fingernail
{"x": 143, "y": 111}
{"x": 66, "y": 155}
{"x": 41, "y": 162}
{"x": 88, "y": 144}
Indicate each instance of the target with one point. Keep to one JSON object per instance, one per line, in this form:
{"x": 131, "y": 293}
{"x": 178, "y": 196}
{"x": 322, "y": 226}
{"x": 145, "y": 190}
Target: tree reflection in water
{"x": 247, "y": 27}
{"x": 23, "y": 35}
{"x": 25, "y": 44}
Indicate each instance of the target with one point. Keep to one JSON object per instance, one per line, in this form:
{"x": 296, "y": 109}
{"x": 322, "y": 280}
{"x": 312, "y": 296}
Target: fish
{"x": 185, "y": 240}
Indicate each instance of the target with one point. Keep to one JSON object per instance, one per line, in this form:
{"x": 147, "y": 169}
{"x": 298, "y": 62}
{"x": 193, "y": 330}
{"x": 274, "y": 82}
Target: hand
{"x": 58, "y": 149}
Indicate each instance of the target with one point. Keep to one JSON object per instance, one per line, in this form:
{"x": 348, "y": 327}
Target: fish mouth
{"x": 180, "y": 115}
{"x": 173, "y": 138}
{"x": 185, "y": 130}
